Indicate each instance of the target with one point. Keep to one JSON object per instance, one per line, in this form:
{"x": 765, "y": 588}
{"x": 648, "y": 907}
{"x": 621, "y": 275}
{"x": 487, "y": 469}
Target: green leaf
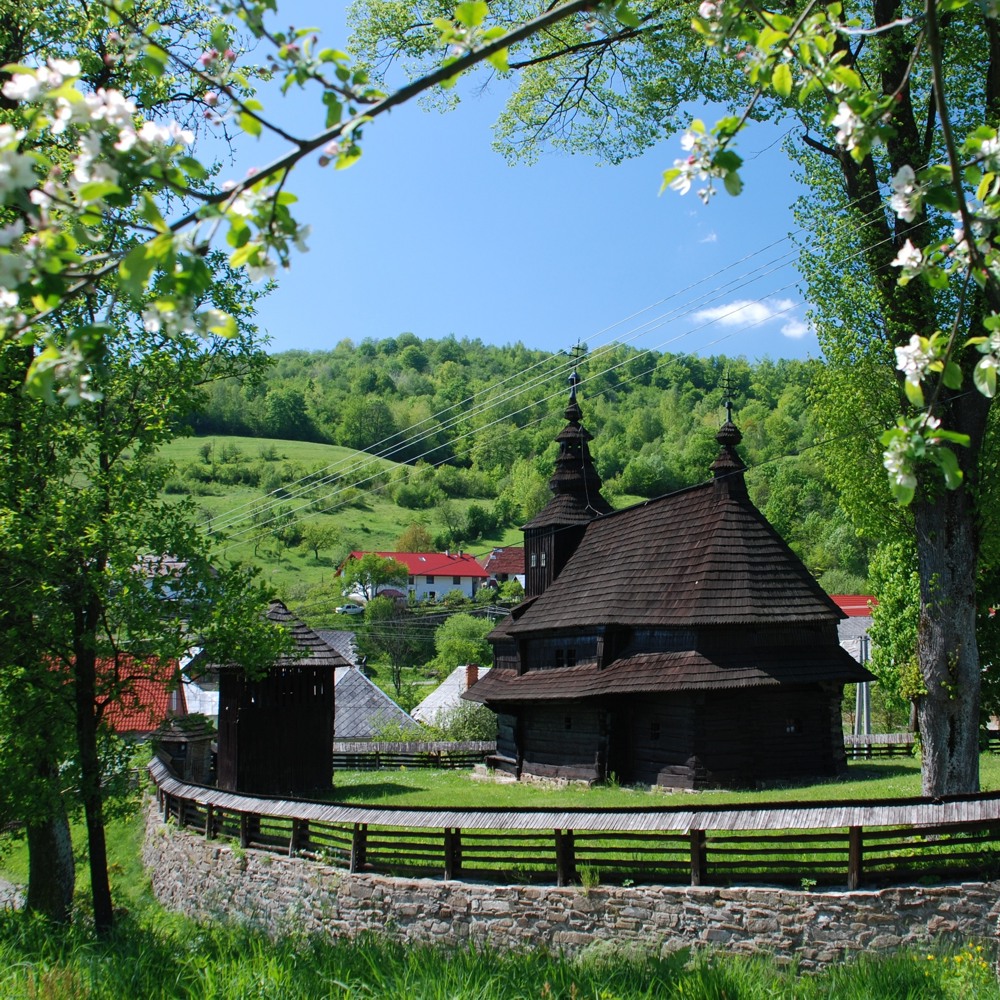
{"x": 733, "y": 183}
{"x": 952, "y": 376}
{"x": 625, "y": 15}
{"x": 914, "y": 393}
{"x": 96, "y": 190}
{"x": 249, "y": 124}
{"x": 942, "y": 196}
{"x": 472, "y": 13}
{"x": 781, "y": 80}
{"x": 985, "y": 378}
{"x": 901, "y": 493}
{"x": 499, "y": 61}
{"x": 135, "y": 269}
{"x": 946, "y": 460}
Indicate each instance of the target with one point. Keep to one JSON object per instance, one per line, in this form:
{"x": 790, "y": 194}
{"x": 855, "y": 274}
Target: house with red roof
{"x": 139, "y": 696}
{"x": 505, "y": 564}
{"x": 432, "y": 575}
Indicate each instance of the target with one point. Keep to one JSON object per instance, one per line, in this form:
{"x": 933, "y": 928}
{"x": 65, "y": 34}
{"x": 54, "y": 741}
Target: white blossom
{"x": 16, "y": 171}
{"x": 913, "y": 360}
{"x": 906, "y": 194}
{"x": 989, "y": 152}
{"x": 898, "y": 462}
{"x": 12, "y": 233}
{"x": 909, "y": 258}
{"x": 22, "y": 87}
{"x": 848, "y": 124}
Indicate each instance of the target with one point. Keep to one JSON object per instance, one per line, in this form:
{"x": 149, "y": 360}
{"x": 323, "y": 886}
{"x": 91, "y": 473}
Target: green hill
{"x": 295, "y": 508}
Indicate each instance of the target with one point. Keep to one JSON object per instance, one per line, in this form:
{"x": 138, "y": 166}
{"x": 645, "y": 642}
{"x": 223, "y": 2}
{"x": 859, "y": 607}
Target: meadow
{"x": 155, "y": 954}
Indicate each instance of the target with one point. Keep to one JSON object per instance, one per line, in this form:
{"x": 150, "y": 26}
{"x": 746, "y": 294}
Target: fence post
{"x": 165, "y": 803}
{"x": 244, "y": 829}
{"x": 855, "y": 859}
{"x": 359, "y": 847}
{"x": 699, "y": 857}
{"x": 209, "y": 822}
{"x": 181, "y": 812}
{"x": 565, "y": 858}
{"x": 452, "y": 852}
{"x": 300, "y": 836}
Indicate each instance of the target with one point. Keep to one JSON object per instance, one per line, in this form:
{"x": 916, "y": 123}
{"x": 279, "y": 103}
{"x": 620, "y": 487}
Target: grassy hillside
{"x": 268, "y": 499}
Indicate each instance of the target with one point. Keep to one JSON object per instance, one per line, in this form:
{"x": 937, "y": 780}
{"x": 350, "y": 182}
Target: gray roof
{"x": 362, "y": 709}
{"x": 447, "y": 695}
{"x": 343, "y": 642}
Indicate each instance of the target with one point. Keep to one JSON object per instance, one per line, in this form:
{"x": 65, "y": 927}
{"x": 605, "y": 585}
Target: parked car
{"x": 351, "y": 609}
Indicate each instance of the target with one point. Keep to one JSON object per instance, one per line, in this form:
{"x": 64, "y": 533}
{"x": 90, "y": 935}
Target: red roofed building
{"x": 855, "y": 605}
{"x": 505, "y": 564}
{"x": 434, "y": 574}
{"x": 140, "y": 695}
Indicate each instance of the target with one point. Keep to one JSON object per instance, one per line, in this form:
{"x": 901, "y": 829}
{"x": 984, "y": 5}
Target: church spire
{"x": 551, "y": 536}
{"x": 728, "y": 467}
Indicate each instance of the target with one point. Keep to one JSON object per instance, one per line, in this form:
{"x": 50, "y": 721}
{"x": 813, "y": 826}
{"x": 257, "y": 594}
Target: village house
{"x": 679, "y": 642}
{"x": 432, "y": 575}
{"x": 503, "y": 565}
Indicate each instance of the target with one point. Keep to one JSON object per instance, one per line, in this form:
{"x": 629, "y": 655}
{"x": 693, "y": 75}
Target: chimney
{"x": 471, "y": 674}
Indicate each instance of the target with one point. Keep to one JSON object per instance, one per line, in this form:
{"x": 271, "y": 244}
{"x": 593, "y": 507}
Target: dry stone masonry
{"x": 215, "y": 879}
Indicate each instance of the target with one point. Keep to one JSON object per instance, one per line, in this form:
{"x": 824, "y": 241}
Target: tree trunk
{"x": 948, "y": 549}
{"x": 51, "y": 869}
{"x": 85, "y": 667}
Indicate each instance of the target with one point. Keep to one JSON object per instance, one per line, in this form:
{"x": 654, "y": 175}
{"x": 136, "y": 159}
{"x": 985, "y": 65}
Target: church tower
{"x": 551, "y": 537}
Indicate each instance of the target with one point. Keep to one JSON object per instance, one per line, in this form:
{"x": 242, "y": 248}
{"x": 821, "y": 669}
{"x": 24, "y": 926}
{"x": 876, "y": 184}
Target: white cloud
{"x": 746, "y": 312}
{"x": 712, "y": 237}
{"x": 795, "y": 329}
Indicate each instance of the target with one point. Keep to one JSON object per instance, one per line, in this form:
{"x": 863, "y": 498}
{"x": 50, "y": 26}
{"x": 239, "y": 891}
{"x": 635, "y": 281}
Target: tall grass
{"x": 167, "y": 957}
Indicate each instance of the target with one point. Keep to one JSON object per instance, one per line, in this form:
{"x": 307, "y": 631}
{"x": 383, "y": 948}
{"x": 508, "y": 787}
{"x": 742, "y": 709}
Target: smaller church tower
{"x": 552, "y": 536}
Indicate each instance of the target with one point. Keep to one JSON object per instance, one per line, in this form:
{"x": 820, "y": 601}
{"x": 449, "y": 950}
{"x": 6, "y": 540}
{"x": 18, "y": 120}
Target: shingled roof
{"x": 699, "y": 556}
{"x": 310, "y": 648}
{"x": 659, "y": 672}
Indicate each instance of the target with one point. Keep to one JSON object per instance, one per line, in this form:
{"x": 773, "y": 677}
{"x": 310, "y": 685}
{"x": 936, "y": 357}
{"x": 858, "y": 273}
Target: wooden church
{"x": 276, "y": 731}
{"x": 679, "y": 642}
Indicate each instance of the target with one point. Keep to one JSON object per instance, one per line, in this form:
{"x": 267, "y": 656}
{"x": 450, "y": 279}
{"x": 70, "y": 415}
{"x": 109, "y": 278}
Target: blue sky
{"x": 432, "y": 232}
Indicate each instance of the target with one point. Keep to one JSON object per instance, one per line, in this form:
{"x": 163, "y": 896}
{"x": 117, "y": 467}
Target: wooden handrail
{"x": 899, "y": 840}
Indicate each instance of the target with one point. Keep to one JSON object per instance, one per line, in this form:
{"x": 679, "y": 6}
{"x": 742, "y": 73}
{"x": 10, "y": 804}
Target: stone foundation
{"x": 214, "y": 879}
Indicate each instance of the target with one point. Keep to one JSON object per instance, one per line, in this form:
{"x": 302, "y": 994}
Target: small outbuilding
{"x": 679, "y": 642}
{"x": 276, "y": 731}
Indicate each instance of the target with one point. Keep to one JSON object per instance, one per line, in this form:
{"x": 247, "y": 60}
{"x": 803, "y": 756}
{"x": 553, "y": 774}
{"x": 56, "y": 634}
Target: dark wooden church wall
{"x": 652, "y": 741}
{"x": 762, "y": 734}
{"x": 565, "y": 740}
{"x": 506, "y": 735}
{"x": 558, "y": 651}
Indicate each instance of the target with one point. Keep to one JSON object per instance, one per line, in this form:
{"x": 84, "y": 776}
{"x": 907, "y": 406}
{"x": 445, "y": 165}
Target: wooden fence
{"x": 805, "y": 844}
{"x": 370, "y": 756}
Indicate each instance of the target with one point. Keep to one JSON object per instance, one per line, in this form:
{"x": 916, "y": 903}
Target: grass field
{"x": 152, "y": 955}
{"x": 361, "y": 519}
{"x": 890, "y": 777}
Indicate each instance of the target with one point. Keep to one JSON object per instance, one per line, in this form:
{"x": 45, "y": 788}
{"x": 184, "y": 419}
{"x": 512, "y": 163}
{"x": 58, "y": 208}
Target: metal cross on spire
{"x": 574, "y": 375}
{"x": 727, "y": 402}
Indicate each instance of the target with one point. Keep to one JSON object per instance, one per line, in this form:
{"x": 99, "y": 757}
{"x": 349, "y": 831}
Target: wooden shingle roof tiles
{"x": 697, "y": 557}
{"x": 662, "y": 672}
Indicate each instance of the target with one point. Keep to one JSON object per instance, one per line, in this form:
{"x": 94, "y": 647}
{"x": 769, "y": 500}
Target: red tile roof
{"x": 434, "y": 563}
{"x": 144, "y": 695}
{"x": 509, "y": 560}
{"x": 855, "y": 605}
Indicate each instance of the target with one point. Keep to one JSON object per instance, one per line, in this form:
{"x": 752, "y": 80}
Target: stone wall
{"x": 214, "y": 879}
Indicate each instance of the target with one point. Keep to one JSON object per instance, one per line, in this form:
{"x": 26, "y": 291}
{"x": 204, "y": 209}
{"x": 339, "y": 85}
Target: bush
{"x": 466, "y": 721}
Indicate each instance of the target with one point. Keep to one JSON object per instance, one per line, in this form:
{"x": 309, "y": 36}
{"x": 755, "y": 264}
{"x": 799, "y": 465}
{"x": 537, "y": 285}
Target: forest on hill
{"x": 461, "y": 439}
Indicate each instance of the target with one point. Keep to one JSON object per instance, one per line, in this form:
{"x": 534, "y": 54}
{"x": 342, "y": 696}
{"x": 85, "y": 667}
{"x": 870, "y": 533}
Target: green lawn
{"x": 892, "y": 777}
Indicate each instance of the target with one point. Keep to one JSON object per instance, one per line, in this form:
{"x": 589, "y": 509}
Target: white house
{"x": 434, "y": 574}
